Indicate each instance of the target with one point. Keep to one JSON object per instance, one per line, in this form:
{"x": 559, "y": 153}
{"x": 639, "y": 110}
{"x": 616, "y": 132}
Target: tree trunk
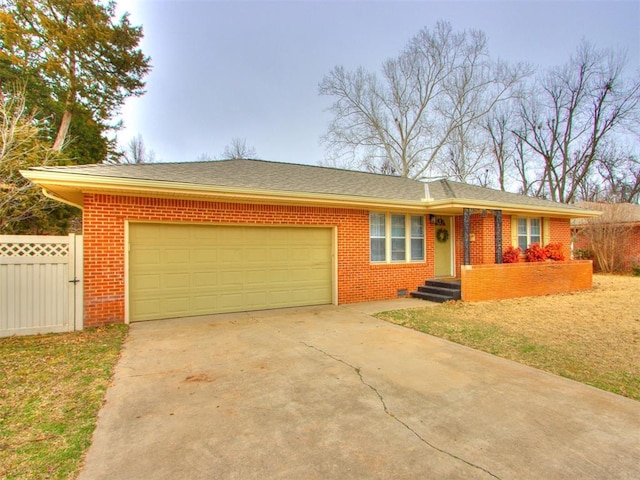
{"x": 63, "y": 130}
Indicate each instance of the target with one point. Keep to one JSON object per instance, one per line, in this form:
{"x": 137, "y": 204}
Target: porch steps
{"x": 439, "y": 291}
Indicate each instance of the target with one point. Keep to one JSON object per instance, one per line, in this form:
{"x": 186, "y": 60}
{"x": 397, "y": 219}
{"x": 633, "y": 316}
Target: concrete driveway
{"x": 331, "y": 392}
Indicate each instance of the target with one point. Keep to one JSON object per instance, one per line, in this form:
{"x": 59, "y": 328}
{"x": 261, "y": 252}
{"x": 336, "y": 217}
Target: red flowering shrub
{"x": 535, "y": 253}
{"x": 554, "y": 252}
{"x": 511, "y": 254}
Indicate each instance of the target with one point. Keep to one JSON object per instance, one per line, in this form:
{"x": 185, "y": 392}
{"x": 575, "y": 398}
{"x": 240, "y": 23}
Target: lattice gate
{"x": 40, "y": 284}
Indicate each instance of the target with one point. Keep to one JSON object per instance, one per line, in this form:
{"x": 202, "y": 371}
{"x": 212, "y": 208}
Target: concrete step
{"x": 432, "y": 297}
{"x": 448, "y": 284}
{"x": 453, "y": 294}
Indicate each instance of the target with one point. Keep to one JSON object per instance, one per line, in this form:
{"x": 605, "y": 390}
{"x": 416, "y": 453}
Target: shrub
{"x": 511, "y": 254}
{"x": 535, "y": 253}
{"x": 554, "y": 252}
{"x": 583, "y": 254}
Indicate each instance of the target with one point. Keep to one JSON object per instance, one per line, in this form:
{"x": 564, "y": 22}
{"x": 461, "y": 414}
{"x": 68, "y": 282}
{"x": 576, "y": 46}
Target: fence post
{"x": 76, "y": 305}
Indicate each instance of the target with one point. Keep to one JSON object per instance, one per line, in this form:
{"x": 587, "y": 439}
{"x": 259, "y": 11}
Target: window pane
{"x": 417, "y": 227}
{"x": 417, "y": 238}
{"x": 523, "y": 237}
{"x": 397, "y": 226}
{"x": 522, "y": 243}
{"x": 377, "y": 225}
{"x": 522, "y": 226}
{"x": 534, "y": 230}
{"x": 377, "y": 232}
{"x": 417, "y": 249}
{"x": 398, "y": 237}
{"x": 377, "y": 250}
{"x": 398, "y": 249}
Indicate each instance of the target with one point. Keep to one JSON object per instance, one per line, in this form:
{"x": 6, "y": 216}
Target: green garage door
{"x": 187, "y": 270}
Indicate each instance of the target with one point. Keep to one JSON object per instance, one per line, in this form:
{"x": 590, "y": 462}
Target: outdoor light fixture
{"x": 432, "y": 219}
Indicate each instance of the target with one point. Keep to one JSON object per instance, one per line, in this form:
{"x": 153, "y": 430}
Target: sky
{"x": 251, "y": 69}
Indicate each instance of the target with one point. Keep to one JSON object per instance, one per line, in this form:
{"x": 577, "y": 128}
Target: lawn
{"x": 592, "y": 337}
{"x": 51, "y": 388}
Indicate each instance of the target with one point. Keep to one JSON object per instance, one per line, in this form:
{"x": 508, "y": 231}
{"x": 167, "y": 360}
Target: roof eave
{"x": 71, "y": 189}
{"x": 459, "y": 204}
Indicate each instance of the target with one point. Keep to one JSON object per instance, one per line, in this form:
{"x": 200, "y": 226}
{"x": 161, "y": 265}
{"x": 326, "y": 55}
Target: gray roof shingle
{"x": 295, "y": 178}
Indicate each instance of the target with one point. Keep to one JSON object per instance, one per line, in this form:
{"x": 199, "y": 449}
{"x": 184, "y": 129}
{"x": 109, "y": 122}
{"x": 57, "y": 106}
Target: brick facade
{"x": 358, "y": 280}
{"x": 104, "y": 243}
{"x": 512, "y": 280}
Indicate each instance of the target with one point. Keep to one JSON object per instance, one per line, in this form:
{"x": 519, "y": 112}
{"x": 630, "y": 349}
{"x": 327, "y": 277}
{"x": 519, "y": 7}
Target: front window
{"x": 417, "y": 237}
{"x": 529, "y": 231}
{"x": 396, "y": 237}
{"x": 377, "y": 232}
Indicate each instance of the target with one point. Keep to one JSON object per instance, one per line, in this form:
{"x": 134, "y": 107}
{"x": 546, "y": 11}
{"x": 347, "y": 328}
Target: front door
{"x": 443, "y": 253}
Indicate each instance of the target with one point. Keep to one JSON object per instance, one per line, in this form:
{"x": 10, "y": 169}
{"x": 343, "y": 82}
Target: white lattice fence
{"x": 40, "y": 288}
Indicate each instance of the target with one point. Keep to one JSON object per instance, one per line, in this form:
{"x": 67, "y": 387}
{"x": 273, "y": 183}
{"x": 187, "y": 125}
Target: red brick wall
{"x": 483, "y": 247}
{"x": 633, "y": 250}
{"x": 104, "y": 246}
{"x": 492, "y": 282}
{"x": 560, "y": 231}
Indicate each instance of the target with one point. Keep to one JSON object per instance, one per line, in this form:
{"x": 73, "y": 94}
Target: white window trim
{"x": 407, "y": 239}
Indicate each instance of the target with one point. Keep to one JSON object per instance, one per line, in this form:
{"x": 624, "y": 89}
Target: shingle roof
{"x": 262, "y": 175}
{"x": 612, "y": 212}
{"x": 305, "y": 179}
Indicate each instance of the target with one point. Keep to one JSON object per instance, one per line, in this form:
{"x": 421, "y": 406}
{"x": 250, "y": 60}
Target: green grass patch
{"x": 51, "y": 389}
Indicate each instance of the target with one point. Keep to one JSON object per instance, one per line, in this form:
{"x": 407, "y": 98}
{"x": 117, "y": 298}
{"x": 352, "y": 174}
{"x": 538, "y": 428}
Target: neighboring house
{"x": 184, "y": 239}
{"x": 619, "y": 222}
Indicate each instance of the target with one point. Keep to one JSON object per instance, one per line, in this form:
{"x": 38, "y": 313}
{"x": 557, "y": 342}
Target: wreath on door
{"x": 442, "y": 235}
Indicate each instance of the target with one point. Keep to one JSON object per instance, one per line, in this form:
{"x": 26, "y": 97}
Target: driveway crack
{"x": 389, "y": 413}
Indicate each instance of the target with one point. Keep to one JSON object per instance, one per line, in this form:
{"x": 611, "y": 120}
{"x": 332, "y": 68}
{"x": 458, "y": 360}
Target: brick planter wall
{"x": 104, "y": 243}
{"x": 493, "y": 282}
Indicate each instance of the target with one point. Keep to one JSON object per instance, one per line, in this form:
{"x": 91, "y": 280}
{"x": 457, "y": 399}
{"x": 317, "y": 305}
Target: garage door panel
{"x": 205, "y": 303}
{"x": 176, "y": 280}
{"x": 146, "y": 308}
{"x": 205, "y": 255}
{"x": 278, "y": 275}
{"x": 145, "y": 282}
{"x": 230, "y": 278}
{"x": 205, "y": 279}
{"x": 174, "y": 304}
{"x": 146, "y": 257}
{"x": 277, "y": 255}
{"x": 181, "y": 256}
{"x": 255, "y": 277}
{"x": 231, "y": 301}
{"x": 230, "y": 255}
{"x": 182, "y": 270}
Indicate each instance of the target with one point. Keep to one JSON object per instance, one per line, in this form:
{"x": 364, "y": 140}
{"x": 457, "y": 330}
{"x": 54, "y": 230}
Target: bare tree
{"x": 23, "y": 208}
{"x": 137, "y": 152}
{"x": 572, "y": 113}
{"x": 442, "y": 83}
{"x": 620, "y": 175}
{"x": 608, "y": 235}
{"x": 238, "y": 149}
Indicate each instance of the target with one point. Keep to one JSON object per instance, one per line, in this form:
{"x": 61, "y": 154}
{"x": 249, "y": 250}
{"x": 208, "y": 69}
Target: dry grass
{"x": 592, "y": 336}
{"x": 51, "y": 388}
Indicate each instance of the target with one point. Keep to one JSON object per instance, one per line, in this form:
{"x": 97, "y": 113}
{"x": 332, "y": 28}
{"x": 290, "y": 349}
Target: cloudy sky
{"x": 250, "y": 69}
